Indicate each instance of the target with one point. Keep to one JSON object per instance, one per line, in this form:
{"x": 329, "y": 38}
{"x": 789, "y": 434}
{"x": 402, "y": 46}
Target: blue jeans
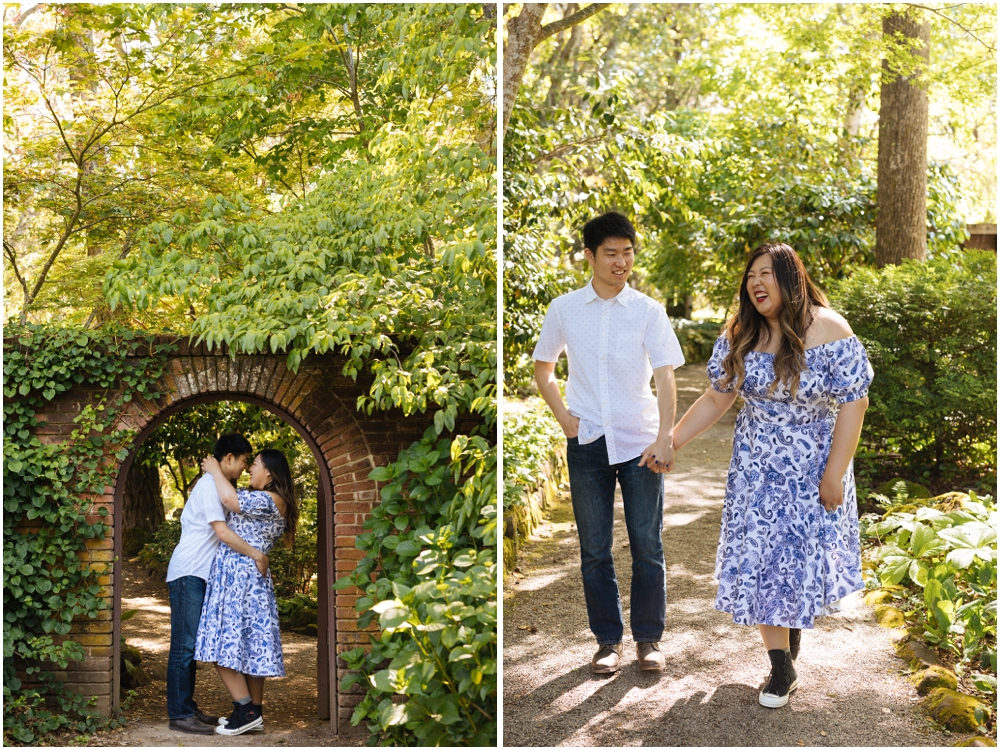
{"x": 592, "y": 484}
{"x": 187, "y": 594}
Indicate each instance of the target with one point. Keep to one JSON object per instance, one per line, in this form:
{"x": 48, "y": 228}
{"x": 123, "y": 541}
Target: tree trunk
{"x": 901, "y": 218}
{"x": 143, "y": 502}
{"x": 524, "y": 33}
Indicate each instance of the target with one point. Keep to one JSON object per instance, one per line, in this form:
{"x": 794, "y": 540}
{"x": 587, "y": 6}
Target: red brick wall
{"x": 320, "y": 402}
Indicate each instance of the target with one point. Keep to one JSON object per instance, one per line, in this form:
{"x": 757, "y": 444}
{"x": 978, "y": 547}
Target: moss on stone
{"x": 876, "y": 597}
{"x": 889, "y": 617}
{"x": 934, "y": 677}
{"x": 916, "y": 654}
{"x": 976, "y": 742}
{"x": 957, "y": 712}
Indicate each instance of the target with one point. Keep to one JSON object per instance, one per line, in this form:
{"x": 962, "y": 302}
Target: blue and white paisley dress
{"x": 239, "y": 619}
{"x": 782, "y": 559}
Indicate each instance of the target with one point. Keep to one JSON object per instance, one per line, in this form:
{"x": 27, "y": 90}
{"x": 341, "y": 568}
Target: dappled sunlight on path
{"x": 851, "y": 692}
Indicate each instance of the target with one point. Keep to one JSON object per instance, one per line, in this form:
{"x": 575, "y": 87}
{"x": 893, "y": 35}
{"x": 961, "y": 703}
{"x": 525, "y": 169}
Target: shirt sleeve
{"x": 660, "y": 341}
{"x": 850, "y": 371}
{"x": 256, "y": 504}
{"x": 209, "y": 502}
{"x": 716, "y": 373}
{"x": 552, "y": 340}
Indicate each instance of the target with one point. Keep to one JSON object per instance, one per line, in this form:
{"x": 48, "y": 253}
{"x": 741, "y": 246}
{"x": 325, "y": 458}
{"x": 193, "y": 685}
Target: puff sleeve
{"x": 716, "y": 374}
{"x": 257, "y": 504}
{"x": 850, "y": 371}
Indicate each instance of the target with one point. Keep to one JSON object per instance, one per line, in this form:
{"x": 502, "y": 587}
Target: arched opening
{"x": 326, "y": 664}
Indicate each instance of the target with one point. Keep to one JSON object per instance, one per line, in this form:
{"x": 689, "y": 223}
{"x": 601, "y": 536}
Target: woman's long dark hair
{"x": 748, "y": 328}
{"x": 281, "y": 484}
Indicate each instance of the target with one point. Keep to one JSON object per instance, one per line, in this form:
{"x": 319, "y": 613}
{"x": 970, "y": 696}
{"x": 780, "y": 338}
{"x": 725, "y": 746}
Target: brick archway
{"x": 320, "y": 404}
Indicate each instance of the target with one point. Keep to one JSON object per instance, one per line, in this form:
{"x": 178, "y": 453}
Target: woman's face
{"x": 762, "y": 286}
{"x": 259, "y": 476}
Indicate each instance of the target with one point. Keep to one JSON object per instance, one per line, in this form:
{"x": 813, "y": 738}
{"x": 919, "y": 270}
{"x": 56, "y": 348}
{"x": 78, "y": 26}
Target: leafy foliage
{"x": 943, "y": 563}
{"x": 716, "y": 128}
{"x": 930, "y": 330}
{"x": 428, "y": 579}
{"x": 49, "y": 515}
{"x": 531, "y": 438}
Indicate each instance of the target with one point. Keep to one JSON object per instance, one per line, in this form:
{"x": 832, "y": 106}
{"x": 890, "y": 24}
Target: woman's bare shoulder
{"x": 828, "y": 325}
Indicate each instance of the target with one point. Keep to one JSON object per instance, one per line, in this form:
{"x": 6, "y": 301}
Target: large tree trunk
{"x": 901, "y": 218}
{"x": 142, "y": 511}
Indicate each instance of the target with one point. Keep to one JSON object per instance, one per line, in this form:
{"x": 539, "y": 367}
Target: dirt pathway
{"x": 290, "y": 702}
{"x": 851, "y": 692}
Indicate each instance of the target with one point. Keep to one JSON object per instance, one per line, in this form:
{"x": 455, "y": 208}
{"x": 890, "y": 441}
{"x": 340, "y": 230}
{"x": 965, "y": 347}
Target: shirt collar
{"x": 623, "y": 296}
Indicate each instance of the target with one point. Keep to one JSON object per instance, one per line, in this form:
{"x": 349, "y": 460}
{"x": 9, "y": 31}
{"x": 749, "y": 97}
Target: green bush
{"x": 431, "y": 545}
{"x": 942, "y": 563}
{"x": 155, "y": 556}
{"x": 697, "y": 337}
{"x": 299, "y": 613}
{"x": 531, "y": 440}
{"x": 931, "y": 333}
{"x": 292, "y": 569}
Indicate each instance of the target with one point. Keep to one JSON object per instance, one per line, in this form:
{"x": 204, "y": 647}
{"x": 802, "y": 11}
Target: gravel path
{"x": 851, "y": 692}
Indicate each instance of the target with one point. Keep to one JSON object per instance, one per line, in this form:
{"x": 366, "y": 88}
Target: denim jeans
{"x": 187, "y": 594}
{"x": 592, "y": 484}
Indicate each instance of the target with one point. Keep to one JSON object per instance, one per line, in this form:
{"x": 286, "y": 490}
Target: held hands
{"x": 659, "y": 456}
{"x": 210, "y": 466}
{"x": 831, "y": 492}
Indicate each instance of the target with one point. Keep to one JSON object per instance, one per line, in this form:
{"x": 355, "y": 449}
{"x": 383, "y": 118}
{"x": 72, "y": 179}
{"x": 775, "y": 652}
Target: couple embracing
{"x": 789, "y": 547}
{"x": 222, "y": 604}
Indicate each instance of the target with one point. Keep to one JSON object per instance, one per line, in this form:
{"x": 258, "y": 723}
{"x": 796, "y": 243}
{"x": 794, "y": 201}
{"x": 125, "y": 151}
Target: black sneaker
{"x": 794, "y": 639}
{"x": 245, "y": 718}
{"x": 782, "y": 680}
{"x": 223, "y": 720}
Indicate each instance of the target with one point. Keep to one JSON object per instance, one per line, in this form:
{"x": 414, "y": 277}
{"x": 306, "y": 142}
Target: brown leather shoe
{"x": 650, "y": 658}
{"x": 606, "y": 659}
{"x": 191, "y": 725}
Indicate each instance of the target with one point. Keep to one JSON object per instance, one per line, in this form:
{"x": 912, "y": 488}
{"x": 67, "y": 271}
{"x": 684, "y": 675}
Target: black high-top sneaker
{"x": 245, "y": 718}
{"x": 782, "y": 680}
{"x": 794, "y": 639}
{"x": 259, "y": 728}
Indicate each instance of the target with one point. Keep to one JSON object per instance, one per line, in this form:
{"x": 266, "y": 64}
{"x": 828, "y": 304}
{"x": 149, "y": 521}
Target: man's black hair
{"x": 610, "y": 225}
{"x": 235, "y": 444}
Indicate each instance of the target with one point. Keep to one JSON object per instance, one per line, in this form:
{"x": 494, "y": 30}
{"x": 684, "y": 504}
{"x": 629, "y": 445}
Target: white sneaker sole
{"x": 258, "y": 728}
{"x": 769, "y": 700}
{"x": 254, "y": 726}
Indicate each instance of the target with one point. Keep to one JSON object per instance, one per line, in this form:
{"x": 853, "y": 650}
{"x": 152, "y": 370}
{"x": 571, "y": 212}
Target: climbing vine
{"x": 50, "y": 520}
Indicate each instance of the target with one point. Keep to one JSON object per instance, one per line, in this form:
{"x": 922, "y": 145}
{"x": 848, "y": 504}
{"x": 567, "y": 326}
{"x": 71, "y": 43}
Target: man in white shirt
{"x": 202, "y": 528}
{"x": 616, "y": 339}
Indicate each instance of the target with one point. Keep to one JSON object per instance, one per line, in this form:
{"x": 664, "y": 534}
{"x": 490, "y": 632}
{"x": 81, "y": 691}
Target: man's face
{"x": 233, "y": 466}
{"x": 612, "y": 261}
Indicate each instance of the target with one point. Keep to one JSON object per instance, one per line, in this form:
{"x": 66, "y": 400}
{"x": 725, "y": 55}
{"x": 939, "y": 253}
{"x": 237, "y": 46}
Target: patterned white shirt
{"x": 612, "y": 346}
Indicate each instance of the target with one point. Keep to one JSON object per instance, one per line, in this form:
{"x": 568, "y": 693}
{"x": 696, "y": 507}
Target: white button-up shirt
{"x": 612, "y": 346}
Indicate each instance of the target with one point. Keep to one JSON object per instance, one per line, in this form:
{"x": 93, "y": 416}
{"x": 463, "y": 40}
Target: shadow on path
{"x": 851, "y": 692}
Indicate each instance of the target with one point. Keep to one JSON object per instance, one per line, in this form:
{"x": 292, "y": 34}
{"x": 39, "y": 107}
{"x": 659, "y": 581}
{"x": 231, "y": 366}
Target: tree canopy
{"x": 718, "y": 126}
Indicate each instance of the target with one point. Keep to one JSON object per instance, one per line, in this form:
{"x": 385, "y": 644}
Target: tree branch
{"x": 8, "y": 250}
{"x": 572, "y": 20}
{"x": 966, "y": 29}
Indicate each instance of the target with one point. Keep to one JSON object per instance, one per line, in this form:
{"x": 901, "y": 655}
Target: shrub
{"x": 931, "y": 334}
{"x": 155, "y": 556}
{"x": 431, "y": 545}
{"x": 940, "y": 559}
{"x": 697, "y": 338}
{"x": 534, "y": 461}
{"x": 292, "y": 569}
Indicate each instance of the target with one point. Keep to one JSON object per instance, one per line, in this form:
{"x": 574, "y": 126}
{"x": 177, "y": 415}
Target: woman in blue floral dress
{"x": 238, "y": 630}
{"x": 789, "y": 547}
